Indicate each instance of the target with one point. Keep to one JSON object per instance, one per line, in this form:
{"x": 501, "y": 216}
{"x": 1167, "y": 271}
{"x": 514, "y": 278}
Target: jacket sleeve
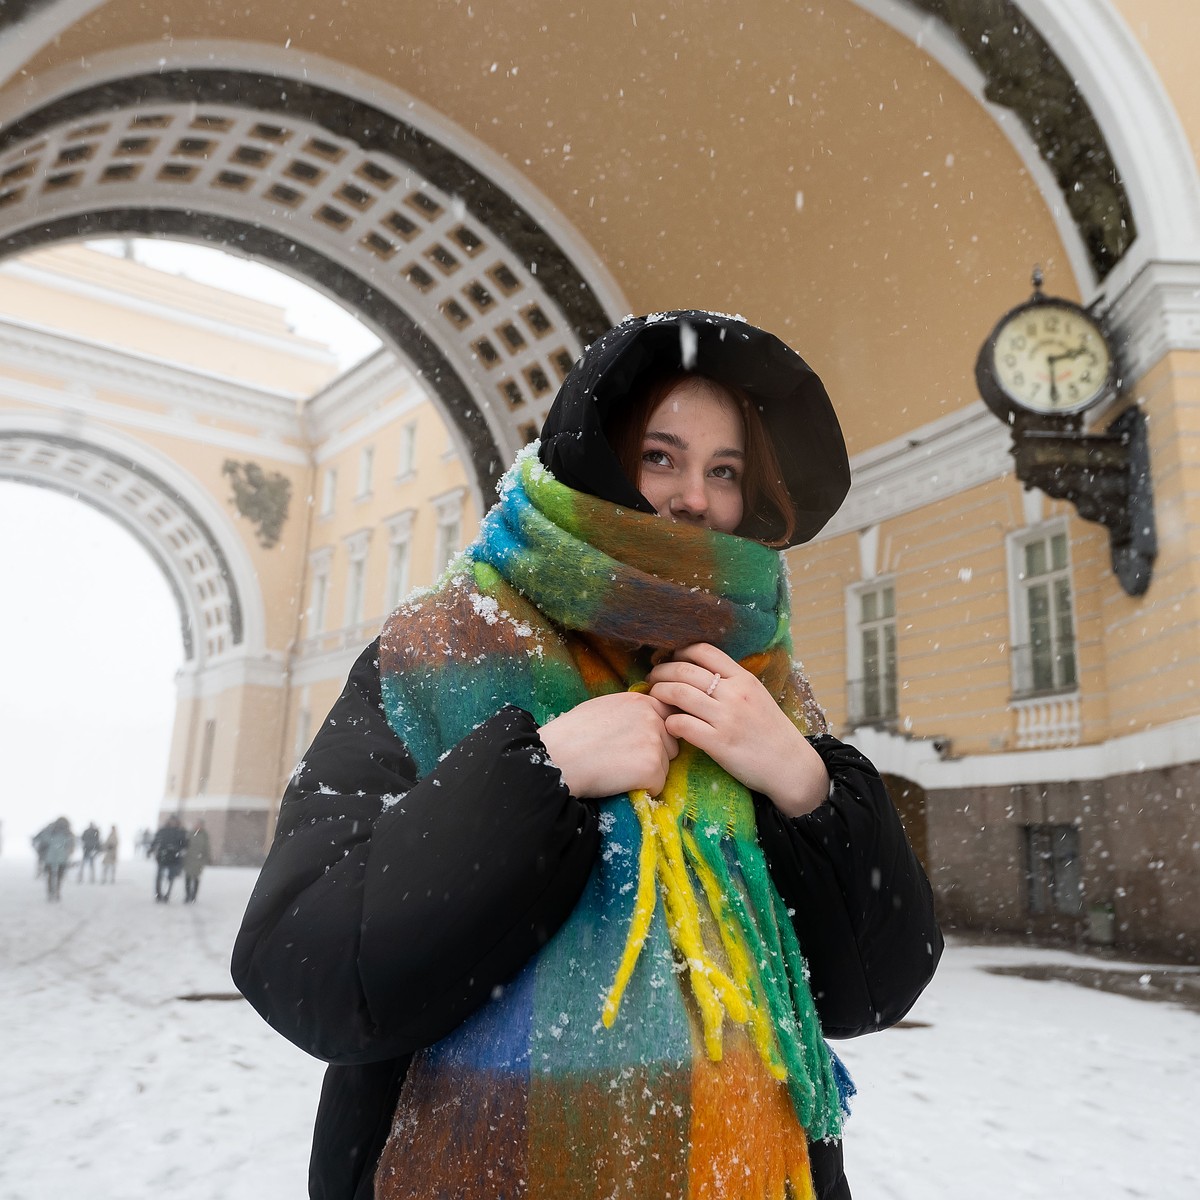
{"x": 389, "y": 907}
{"x": 862, "y": 907}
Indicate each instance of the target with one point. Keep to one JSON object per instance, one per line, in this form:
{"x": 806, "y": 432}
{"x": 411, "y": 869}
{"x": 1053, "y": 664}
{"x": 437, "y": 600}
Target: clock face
{"x": 1050, "y": 357}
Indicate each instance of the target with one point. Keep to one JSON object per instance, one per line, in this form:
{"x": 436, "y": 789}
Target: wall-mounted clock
{"x": 1048, "y": 357}
{"x": 1046, "y": 363}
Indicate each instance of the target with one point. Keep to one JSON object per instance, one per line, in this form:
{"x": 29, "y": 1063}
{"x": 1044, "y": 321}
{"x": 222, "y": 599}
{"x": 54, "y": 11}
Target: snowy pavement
{"x": 116, "y": 1087}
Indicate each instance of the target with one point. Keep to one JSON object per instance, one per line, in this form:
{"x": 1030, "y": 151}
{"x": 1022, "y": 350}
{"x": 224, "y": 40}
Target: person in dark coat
{"x": 434, "y": 901}
{"x": 196, "y": 857}
{"x": 40, "y": 841}
{"x": 59, "y": 845}
{"x": 89, "y": 848}
{"x": 168, "y": 848}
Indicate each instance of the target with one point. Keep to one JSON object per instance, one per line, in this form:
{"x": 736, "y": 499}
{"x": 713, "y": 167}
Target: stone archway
{"x": 457, "y": 275}
{"x": 227, "y": 666}
{"x": 169, "y": 528}
{"x": 472, "y": 292}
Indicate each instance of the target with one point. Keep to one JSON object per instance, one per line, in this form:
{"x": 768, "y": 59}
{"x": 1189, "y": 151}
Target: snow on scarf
{"x": 658, "y": 1041}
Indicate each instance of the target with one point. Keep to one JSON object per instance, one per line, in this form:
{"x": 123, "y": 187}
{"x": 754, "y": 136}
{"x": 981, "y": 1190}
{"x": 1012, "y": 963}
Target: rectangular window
{"x": 329, "y": 491}
{"x": 317, "y": 603}
{"x": 355, "y": 592}
{"x": 449, "y": 537}
{"x": 407, "y": 462}
{"x": 1044, "y": 652}
{"x": 206, "y": 757}
{"x": 399, "y": 555}
{"x": 1053, "y": 874}
{"x": 366, "y": 466}
{"x": 873, "y": 687}
{"x": 303, "y": 731}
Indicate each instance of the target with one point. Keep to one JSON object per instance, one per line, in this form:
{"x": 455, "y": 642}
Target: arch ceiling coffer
{"x": 482, "y": 302}
{"x": 177, "y": 538}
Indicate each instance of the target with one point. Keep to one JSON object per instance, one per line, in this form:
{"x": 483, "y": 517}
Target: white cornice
{"x": 918, "y": 759}
{"x": 931, "y": 463}
{"x": 361, "y": 403}
{"x": 70, "y": 408}
{"x": 330, "y": 664}
{"x": 232, "y": 673}
{"x": 226, "y": 802}
{"x": 161, "y": 308}
{"x": 83, "y": 364}
{"x": 376, "y": 377}
{"x": 1158, "y": 312}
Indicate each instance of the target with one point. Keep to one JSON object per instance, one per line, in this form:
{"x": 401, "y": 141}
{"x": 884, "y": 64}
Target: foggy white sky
{"x": 89, "y": 646}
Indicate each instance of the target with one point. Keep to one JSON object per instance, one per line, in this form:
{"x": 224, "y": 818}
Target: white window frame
{"x": 448, "y": 539}
{"x": 406, "y": 464}
{"x": 357, "y": 545}
{"x": 366, "y": 468}
{"x": 1064, "y": 668}
{"x": 856, "y": 666}
{"x": 317, "y": 614}
{"x": 399, "y": 568}
{"x": 329, "y": 492}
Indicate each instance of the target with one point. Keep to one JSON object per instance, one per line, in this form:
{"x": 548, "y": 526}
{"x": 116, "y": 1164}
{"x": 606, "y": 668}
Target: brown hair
{"x": 763, "y": 492}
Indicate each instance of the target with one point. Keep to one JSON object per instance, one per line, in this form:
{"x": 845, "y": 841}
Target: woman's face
{"x": 693, "y": 457}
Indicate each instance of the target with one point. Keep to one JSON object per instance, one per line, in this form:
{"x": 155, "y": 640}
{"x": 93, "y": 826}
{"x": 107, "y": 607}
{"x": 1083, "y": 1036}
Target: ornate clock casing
{"x": 1048, "y": 358}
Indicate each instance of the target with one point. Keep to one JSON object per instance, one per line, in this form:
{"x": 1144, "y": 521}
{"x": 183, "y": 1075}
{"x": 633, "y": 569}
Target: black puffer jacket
{"x": 390, "y": 907}
{"x": 350, "y": 949}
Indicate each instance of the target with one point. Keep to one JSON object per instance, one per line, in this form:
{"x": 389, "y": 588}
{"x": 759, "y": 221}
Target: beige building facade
{"x": 488, "y": 188}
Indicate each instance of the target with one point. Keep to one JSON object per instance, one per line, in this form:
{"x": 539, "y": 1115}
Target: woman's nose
{"x": 691, "y": 500}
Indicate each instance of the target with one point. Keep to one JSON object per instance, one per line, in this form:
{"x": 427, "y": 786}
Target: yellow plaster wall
{"x": 436, "y": 473}
{"x": 949, "y": 567}
{"x": 1167, "y": 32}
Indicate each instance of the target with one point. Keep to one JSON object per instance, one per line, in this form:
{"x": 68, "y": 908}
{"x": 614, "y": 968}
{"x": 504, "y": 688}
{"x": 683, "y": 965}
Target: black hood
{"x": 799, "y": 418}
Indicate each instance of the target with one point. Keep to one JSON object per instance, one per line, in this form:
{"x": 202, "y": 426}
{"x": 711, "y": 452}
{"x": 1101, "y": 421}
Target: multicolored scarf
{"x": 661, "y": 1042}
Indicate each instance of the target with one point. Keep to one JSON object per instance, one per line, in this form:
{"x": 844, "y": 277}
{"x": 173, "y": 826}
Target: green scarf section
{"x": 563, "y": 597}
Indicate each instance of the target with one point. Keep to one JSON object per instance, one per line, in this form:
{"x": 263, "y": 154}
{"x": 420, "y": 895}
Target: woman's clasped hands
{"x": 613, "y": 744}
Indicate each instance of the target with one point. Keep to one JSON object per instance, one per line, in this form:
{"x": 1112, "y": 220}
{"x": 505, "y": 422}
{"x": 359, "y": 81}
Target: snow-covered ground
{"x": 116, "y": 1087}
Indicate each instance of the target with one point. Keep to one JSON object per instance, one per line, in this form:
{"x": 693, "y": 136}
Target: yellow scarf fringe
{"x": 717, "y": 994}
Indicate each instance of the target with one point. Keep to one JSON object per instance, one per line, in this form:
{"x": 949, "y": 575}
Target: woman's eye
{"x": 730, "y": 473}
{"x": 657, "y": 458}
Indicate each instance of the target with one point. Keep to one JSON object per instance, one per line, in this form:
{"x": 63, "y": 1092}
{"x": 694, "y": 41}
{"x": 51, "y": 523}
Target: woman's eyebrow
{"x": 677, "y": 443}
{"x": 671, "y": 439}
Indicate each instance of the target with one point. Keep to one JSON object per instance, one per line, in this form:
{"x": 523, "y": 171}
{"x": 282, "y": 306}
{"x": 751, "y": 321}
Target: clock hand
{"x": 1052, "y": 359}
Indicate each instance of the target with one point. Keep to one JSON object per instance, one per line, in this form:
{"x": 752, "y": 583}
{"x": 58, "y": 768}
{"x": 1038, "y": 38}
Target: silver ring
{"x": 712, "y": 687}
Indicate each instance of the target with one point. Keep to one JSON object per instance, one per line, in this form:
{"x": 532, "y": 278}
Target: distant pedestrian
{"x": 89, "y": 845}
{"x": 60, "y": 845}
{"x": 167, "y": 847}
{"x": 197, "y": 856}
{"x": 108, "y": 864}
{"x": 40, "y": 841}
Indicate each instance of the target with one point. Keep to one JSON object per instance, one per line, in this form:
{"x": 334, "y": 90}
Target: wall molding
{"x": 918, "y": 759}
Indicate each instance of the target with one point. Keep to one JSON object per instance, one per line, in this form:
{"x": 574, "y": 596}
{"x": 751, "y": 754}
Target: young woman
{"x": 572, "y": 881}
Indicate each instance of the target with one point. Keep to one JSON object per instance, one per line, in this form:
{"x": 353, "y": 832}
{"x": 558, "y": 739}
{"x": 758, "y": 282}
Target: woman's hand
{"x": 738, "y": 724}
{"x": 612, "y": 744}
